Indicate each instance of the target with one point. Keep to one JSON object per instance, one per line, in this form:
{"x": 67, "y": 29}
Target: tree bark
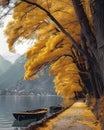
{"x": 97, "y": 7}
{"x": 92, "y": 58}
{"x": 84, "y": 23}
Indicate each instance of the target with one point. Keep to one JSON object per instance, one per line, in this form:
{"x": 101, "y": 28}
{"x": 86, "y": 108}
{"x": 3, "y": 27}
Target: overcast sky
{"x": 20, "y": 49}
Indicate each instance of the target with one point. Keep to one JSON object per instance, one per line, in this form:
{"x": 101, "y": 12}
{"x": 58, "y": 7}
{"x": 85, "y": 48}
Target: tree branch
{"x": 75, "y": 44}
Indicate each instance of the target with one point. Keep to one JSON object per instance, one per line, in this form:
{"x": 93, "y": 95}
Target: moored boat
{"x": 54, "y": 109}
{"x": 32, "y": 114}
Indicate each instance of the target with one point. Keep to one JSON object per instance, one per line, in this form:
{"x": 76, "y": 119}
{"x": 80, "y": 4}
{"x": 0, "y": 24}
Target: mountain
{"x": 4, "y": 65}
{"x": 12, "y": 80}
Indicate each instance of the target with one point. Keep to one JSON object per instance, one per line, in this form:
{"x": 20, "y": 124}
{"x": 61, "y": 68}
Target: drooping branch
{"x": 75, "y": 44}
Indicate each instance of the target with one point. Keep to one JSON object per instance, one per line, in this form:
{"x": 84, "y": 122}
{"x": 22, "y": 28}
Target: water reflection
{"x": 19, "y": 128}
{"x": 23, "y": 123}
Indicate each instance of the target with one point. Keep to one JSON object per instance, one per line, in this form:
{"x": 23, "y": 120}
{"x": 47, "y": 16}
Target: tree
{"x": 69, "y": 38}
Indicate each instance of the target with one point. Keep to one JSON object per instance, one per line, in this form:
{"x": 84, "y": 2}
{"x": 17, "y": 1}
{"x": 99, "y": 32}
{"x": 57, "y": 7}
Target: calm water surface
{"x": 10, "y": 104}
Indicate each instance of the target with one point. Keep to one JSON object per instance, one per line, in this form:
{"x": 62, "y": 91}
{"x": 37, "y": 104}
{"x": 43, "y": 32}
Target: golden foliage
{"x": 66, "y": 77}
{"x": 52, "y": 46}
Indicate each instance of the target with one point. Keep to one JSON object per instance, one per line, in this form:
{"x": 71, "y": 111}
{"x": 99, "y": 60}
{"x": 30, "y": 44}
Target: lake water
{"x": 10, "y": 104}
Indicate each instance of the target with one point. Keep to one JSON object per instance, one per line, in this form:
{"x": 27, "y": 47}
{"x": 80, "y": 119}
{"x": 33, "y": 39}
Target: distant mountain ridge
{"x": 4, "y": 65}
{"x": 12, "y": 79}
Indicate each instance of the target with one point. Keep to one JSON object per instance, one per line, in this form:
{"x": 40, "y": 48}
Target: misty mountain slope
{"x": 13, "y": 74}
{"x": 42, "y": 85}
{"x": 4, "y": 65}
{"x": 13, "y": 79}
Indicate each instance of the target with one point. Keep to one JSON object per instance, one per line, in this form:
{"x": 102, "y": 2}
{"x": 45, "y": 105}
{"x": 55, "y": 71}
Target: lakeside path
{"x": 77, "y": 117}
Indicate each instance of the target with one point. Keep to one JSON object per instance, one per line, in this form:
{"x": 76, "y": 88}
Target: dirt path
{"x": 77, "y": 117}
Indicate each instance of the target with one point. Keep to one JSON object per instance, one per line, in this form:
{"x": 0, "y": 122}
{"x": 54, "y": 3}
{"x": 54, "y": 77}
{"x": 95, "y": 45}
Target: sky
{"x": 4, "y": 52}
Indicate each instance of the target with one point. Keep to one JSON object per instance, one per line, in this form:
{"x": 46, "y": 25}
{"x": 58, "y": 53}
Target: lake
{"x": 10, "y": 104}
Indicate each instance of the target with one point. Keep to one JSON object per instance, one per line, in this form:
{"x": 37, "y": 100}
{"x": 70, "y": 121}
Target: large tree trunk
{"x": 97, "y": 7}
{"x": 93, "y": 58}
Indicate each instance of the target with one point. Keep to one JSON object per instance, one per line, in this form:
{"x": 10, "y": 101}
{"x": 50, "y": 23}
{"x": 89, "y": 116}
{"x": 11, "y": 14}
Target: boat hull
{"x": 36, "y": 114}
{"x": 54, "y": 109}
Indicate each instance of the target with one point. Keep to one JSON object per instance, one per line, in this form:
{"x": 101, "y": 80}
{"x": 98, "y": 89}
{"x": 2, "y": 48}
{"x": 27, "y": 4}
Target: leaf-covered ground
{"x": 77, "y": 117}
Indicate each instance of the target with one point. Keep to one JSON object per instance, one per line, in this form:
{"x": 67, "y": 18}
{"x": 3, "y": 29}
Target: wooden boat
{"x": 33, "y": 114}
{"x": 54, "y": 109}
